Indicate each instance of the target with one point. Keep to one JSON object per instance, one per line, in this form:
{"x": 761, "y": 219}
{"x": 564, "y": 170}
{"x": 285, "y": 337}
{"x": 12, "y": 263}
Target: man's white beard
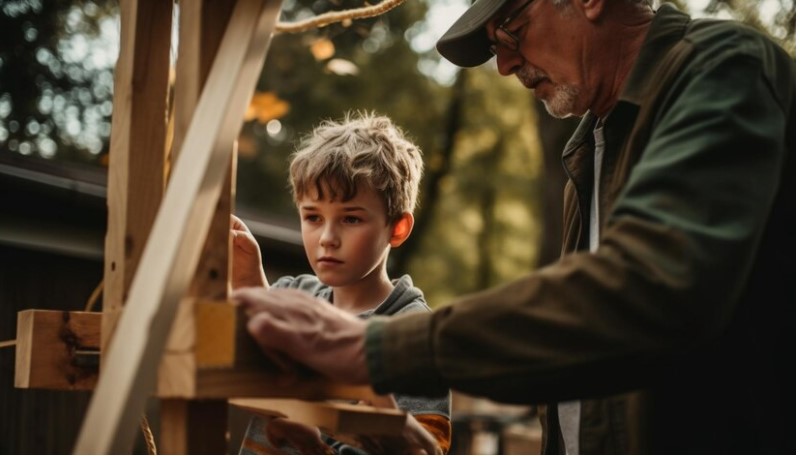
{"x": 563, "y": 101}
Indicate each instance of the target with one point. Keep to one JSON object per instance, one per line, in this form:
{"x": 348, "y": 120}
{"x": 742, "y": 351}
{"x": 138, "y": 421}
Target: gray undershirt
{"x": 570, "y": 411}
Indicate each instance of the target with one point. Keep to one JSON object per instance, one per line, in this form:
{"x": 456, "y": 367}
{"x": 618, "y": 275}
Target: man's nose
{"x": 508, "y": 61}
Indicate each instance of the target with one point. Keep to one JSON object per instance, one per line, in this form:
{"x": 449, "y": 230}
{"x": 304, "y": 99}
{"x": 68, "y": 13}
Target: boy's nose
{"x": 330, "y": 237}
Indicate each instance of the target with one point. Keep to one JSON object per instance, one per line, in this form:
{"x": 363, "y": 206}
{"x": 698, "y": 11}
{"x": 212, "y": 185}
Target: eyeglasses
{"x": 503, "y": 36}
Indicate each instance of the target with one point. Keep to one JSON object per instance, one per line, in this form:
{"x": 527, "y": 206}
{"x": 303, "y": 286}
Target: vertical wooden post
{"x": 193, "y": 427}
{"x": 138, "y": 134}
{"x": 190, "y": 426}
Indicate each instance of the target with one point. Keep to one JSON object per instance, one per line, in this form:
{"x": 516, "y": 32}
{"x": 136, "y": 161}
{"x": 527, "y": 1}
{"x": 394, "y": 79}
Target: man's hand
{"x": 247, "y": 267}
{"x": 308, "y": 330}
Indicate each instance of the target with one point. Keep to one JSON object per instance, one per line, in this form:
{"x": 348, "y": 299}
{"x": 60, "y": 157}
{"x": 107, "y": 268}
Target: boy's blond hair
{"x": 362, "y": 149}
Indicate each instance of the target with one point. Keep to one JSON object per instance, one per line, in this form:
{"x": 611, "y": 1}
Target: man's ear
{"x": 592, "y": 8}
{"x": 401, "y": 229}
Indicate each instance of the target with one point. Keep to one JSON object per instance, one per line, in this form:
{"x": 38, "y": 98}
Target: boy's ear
{"x": 401, "y": 229}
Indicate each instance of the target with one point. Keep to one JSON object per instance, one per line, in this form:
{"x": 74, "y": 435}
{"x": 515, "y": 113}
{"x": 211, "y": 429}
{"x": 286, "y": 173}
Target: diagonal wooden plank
{"x": 333, "y": 417}
{"x": 173, "y": 248}
{"x": 190, "y": 426}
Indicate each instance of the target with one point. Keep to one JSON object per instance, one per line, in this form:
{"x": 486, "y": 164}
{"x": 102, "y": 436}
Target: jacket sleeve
{"x": 674, "y": 255}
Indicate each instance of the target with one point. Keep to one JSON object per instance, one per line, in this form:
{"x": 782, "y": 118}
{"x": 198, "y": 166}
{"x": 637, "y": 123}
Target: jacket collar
{"x": 668, "y": 27}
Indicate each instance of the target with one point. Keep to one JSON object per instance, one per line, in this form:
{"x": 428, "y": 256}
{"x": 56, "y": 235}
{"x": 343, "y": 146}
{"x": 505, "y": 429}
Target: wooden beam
{"x": 198, "y": 427}
{"x": 137, "y": 149}
{"x": 50, "y": 344}
{"x": 47, "y": 344}
{"x": 173, "y": 248}
{"x": 188, "y": 349}
{"x": 258, "y": 383}
{"x": 224, "y": 361}
{"x": 186, "y": 427}
{"x": 332, "y": 417}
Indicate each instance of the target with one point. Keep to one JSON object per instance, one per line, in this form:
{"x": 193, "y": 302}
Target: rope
{"x": 90, "y": 303}
{"x": 148, "y": 435}
{"x": 8, "y": 343}
{"x": 337, "y": 16}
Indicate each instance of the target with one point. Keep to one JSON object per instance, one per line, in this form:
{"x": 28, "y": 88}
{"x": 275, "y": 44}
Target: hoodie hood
{"x": 405, "y": 297}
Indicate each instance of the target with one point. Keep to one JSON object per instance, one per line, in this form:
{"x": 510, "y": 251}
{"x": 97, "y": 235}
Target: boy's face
{"x": 345, "y": 242}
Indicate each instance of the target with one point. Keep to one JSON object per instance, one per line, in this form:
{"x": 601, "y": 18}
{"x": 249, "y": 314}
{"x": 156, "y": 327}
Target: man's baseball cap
{"x": 466, "y": 43}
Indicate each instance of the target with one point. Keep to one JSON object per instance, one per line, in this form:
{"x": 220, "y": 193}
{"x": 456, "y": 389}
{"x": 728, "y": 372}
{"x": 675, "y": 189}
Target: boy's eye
{"x": 311, "y": 218}
{"x": 351, "y": 219}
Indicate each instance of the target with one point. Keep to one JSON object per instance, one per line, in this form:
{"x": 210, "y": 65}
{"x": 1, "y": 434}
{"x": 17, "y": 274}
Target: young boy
{"x": 355, "y": 185}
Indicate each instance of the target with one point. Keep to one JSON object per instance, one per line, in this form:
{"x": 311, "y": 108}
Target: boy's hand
{"x": 247, "y": 267}
{"x": 303, "y": 438}
{"x": 413, "y": 440}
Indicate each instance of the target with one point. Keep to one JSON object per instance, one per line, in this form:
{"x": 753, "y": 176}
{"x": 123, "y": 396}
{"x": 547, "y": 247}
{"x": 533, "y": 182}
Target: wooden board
{"x": 47, "y": 341}
{"x": 332, "y": 417}
{"x": 138, "y": 146}
{"x": 228, "y": 362}
{"x": 193, "y": 427}
{"x": 173, "y": 248}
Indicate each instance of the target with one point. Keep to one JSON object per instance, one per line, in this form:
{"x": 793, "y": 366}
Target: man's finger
{"x": 262, "y": 330}
{"x": 251, "y": 299}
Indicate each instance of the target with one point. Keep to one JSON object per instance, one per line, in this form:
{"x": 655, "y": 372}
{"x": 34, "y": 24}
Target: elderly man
{"x": 668, "y": 325}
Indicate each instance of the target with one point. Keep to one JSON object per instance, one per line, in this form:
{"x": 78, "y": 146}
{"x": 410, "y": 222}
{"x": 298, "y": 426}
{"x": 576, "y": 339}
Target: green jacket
{"x": 678, "y": 333}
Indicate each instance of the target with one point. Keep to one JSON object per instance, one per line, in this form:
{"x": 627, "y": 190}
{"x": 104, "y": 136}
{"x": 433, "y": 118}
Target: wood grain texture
{"x": 47, "y": 341}
{"x": 332, "y": 417}
{"x": 199, "y": 426}
{"x": 224, "y": 362}
{"x": 173, "y": 248}
{"x": 137, "y": 148}
{"x": 186, "y": 426}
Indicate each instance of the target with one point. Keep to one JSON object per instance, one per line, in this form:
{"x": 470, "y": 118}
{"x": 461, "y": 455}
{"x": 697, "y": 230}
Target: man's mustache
{"x": 530, "y": 76}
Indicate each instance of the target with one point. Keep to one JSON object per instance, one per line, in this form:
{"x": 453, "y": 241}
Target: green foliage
{"x": 775, "y": 18}
{"x": 387, "y": 82}
{"x": 479, "y": 219}
{"x": 486, "y": 218}
{"x": 55, "y": 84}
